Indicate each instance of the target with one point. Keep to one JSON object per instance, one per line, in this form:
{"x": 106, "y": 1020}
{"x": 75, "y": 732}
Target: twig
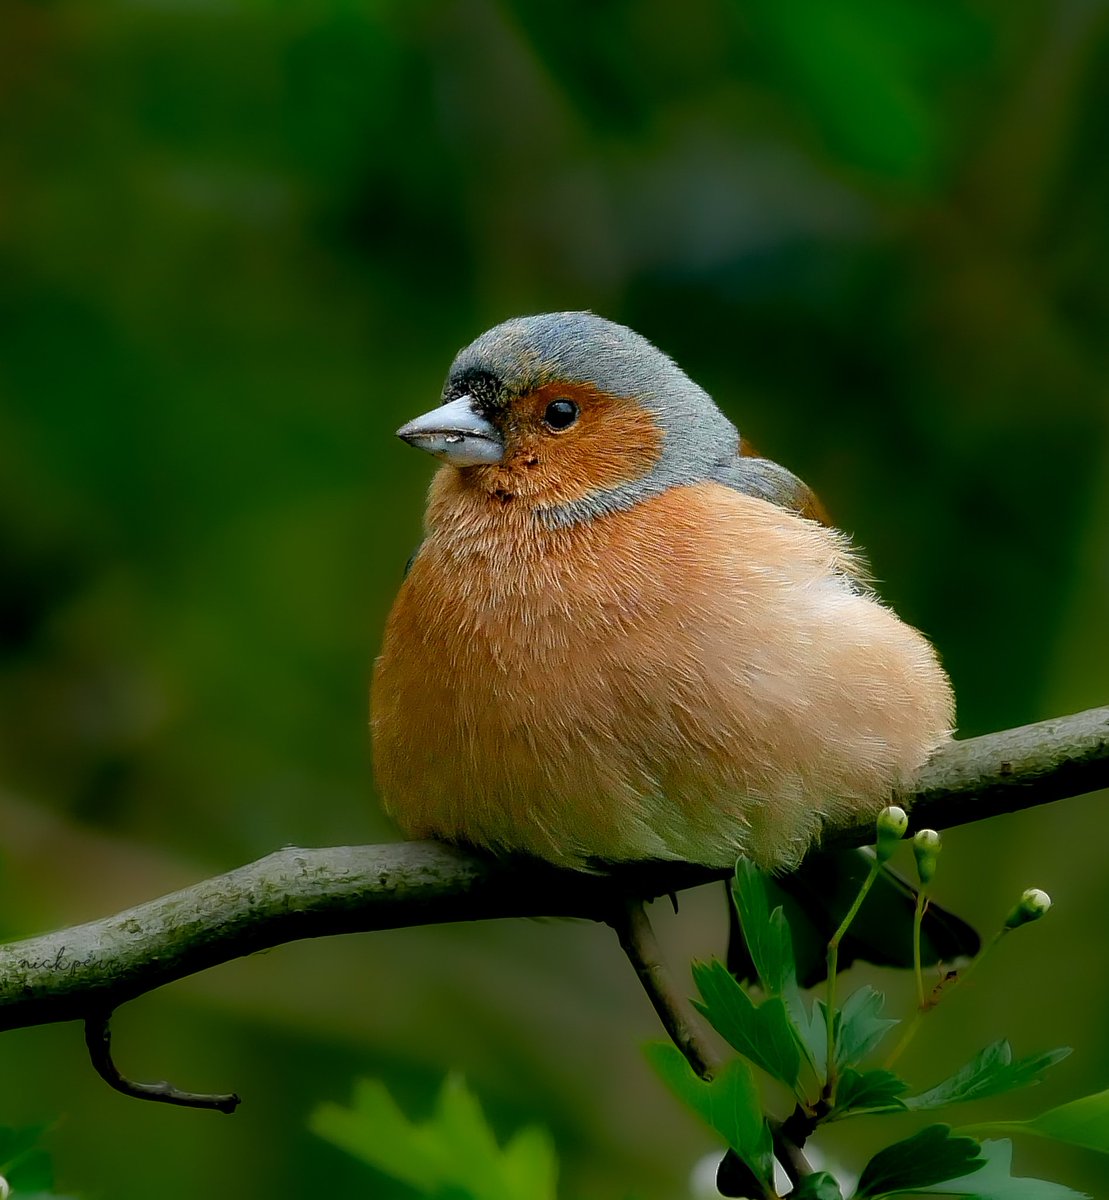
{"x": 98, "y": 1039}
{"x": 637, "y": 939}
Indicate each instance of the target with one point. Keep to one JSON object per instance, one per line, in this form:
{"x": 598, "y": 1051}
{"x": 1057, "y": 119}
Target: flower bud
{"x": 926, "y": 851}
{"x": 890, "y": 826}
{"x": 1032, "y": 905}
{"x": 5, "y": 1188}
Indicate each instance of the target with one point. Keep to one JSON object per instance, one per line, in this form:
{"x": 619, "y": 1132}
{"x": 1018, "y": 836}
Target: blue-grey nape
{"x": 526, "y": 353}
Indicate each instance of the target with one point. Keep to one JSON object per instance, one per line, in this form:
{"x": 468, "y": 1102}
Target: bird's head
{"x": 572, "y": 416}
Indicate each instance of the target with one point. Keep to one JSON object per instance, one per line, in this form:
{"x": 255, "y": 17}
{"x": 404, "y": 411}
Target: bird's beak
{"x": 457, "y": 433}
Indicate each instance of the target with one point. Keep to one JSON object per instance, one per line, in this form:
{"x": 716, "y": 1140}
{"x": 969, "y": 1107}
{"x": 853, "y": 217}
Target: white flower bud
{"x": 926, "y": 850}
{"x": 890, "y": 827}
{"x": 1032, "y": 905}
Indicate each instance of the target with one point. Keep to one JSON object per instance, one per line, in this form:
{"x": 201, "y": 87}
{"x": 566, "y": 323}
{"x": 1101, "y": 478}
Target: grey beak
{"x": 456, "y": 433}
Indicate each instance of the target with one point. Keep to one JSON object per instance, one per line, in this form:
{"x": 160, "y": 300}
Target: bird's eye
{"x": 560, "y": 414}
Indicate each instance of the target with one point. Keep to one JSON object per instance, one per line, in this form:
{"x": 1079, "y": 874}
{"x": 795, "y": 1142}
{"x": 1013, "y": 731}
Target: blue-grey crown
{"x": 579, "y": 347}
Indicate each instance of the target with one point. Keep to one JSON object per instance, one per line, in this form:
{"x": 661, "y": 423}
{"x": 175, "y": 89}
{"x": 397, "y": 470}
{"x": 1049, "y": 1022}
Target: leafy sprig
{"x": 819, "y": 1050}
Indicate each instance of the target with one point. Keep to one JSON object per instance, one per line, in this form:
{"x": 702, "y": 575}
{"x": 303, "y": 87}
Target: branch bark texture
{"x": 295, "y": 893}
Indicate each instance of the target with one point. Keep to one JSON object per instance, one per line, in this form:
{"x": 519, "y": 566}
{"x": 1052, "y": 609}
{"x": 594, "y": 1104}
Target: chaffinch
{"x": 626, "y": 637}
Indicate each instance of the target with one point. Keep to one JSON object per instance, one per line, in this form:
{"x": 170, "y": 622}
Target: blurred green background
{"x": 239, "y": 245}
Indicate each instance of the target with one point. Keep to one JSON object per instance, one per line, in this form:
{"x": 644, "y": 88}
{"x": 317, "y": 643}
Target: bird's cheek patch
{"x": 613, "y": 441}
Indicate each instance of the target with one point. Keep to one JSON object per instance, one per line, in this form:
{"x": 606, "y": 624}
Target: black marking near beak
{"x": 456, "y": 433}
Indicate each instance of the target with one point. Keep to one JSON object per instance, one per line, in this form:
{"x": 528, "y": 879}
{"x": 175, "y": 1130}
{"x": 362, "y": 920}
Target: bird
{"x": 626, "y": 636}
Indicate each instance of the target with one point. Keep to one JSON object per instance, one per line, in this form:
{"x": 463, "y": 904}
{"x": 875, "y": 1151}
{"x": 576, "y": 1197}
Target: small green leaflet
{"x": 989, "y": 1073}
{"x": 860, "y": 1028}
{"x": 931, "y": 1156}
{"x": 994, "y": 1181}
{"x": 455, "y": 1150}
{"x": 762, "y": 1033}
{"x": 1083, "y": 1122}
{"x": 729, "y": 1103}
{"x": 868, "y": 1091}
{"x": 766, "y": 933}
{"x": 812, "y": 1032}
{"x": 771, "y": 947}
{"x": 936, "y": 1162}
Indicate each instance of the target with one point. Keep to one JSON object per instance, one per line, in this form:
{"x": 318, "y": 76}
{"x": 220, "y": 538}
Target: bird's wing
{"x": 754, "y": 475}
{"x": 817, "y": 896}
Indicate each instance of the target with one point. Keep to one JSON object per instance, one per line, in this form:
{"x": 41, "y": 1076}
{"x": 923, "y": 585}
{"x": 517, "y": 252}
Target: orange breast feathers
{"x": 693, "y": 678}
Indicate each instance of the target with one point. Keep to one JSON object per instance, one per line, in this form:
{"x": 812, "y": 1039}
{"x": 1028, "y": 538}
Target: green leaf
{"x": 931, "y": 1156}
{"x": 766, "y": 933}
{"x": 454, "y": 1151}
{"x": 868, "y": 1091}
{"x": 467, "y": 1141}
{"x": 770, "y": 945}
{"x": 376, "y": 1131}
{"x": 989, "y": 1073}
{"x": 1083, "y": 1122}
{"x": 729, "y": 1103}
{"x": 812, "y": 1032}
{"x": 993, "y": 1181}
{"x": 860, "y": 1027}
{"x": 763, "y": 1033}
{"x": 820, "y": 1186}
{"x": 530, "y": 1163}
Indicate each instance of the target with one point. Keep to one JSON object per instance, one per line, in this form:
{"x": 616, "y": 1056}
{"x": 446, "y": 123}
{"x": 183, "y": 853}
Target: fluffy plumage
{"x": 620, "y": 641}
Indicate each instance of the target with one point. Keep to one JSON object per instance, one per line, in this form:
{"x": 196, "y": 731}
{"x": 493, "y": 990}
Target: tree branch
{"x": 91, "y": 969}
